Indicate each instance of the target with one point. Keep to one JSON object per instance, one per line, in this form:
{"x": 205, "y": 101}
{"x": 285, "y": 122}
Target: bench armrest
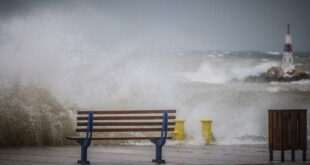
{"x": 89, "y": 133}
{"x": 164, "y": 129}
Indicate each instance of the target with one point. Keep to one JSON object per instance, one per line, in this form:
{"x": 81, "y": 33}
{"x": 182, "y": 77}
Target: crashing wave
{"x": 211, "y": 73}
{"x": 32, "y": 116}
{"x": 275, "y": 53}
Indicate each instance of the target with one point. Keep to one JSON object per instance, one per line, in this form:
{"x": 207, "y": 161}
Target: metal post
{"x": 179, "y": 133}
{"x": 207, "y": 130}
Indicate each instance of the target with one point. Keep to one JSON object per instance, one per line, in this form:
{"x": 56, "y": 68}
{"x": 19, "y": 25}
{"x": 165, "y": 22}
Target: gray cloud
{"x": 175, "y": 24}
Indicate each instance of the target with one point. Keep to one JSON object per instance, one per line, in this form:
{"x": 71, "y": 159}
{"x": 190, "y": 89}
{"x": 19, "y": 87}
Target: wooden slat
{"x": 123, "y": 129}
{"x": 116, "y": 138}
{"x": 270, "y": 129}
{"x": 124, "y": 117}
{"x": 303, "y": 130}
{"x": 124, "y": 123}
{"x": 125, "y": 111}
{"x": 294, "y": 131}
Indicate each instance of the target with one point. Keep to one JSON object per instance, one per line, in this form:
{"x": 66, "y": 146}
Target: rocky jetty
{"x": 277, "y": 74}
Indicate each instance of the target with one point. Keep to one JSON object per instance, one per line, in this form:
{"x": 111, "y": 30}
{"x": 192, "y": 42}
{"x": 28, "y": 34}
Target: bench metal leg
{"x": 83, "y": 160}
{"x": 304, "y": 155}
{"x": 270, "y": 155}
{"x": 282, "y": 156}
{"x": 158, "y": 156}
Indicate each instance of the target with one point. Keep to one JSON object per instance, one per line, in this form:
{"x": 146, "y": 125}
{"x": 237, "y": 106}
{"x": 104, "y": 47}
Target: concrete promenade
{"x": 142, "y": 155}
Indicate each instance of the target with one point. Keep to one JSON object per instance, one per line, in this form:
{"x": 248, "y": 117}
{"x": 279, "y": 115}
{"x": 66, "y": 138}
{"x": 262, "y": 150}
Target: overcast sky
{"x": 172, "y": 25}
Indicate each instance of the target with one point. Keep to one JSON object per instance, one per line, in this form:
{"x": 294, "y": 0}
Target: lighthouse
{"x": 287, "y": 64}
{"x": 287, "y": 70}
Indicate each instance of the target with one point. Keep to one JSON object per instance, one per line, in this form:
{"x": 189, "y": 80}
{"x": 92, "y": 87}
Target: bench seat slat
{"x": 123, "y": 129}
{"x": 125, "y": 117}
{"x": 126, "y": 112}
{"x": 114, "y": 138}
{"x": 124, "y": 123}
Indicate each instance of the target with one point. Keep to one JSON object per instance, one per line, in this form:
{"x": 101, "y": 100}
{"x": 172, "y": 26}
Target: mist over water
{"x": 85, "y": 57}
{"x": 216, "y": 90}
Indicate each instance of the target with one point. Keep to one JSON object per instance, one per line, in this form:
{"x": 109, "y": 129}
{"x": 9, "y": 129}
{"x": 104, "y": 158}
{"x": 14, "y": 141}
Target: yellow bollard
{"x": 207, "y": 130}
{"x": 179, "y": 133}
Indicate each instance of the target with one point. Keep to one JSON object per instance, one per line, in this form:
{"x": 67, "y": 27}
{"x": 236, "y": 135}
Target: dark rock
{"x": 277, "y": 74}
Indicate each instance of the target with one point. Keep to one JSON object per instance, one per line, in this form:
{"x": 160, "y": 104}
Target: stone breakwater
{"x": 277, "y": 74}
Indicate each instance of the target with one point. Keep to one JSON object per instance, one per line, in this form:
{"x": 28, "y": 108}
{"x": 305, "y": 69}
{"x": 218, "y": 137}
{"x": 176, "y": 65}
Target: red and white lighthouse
{"x": 287, "y": 59}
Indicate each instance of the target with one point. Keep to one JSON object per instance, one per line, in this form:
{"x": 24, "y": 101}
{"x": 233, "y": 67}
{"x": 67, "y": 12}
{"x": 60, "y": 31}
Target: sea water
{"x": 198, "y": 84}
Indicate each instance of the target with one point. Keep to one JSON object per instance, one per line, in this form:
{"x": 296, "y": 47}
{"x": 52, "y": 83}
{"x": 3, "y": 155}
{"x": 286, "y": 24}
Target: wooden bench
{"x": 287, "y": 130}
{"x": 154, "y": 125}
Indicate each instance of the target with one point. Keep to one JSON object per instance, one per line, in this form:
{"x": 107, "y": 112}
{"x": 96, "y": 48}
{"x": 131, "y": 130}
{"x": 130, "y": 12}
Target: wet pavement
{"x": 142, "y": 155}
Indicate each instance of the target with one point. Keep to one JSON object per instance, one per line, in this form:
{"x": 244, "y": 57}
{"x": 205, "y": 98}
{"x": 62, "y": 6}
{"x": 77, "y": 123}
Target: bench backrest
{"x": 128, "y": 121}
